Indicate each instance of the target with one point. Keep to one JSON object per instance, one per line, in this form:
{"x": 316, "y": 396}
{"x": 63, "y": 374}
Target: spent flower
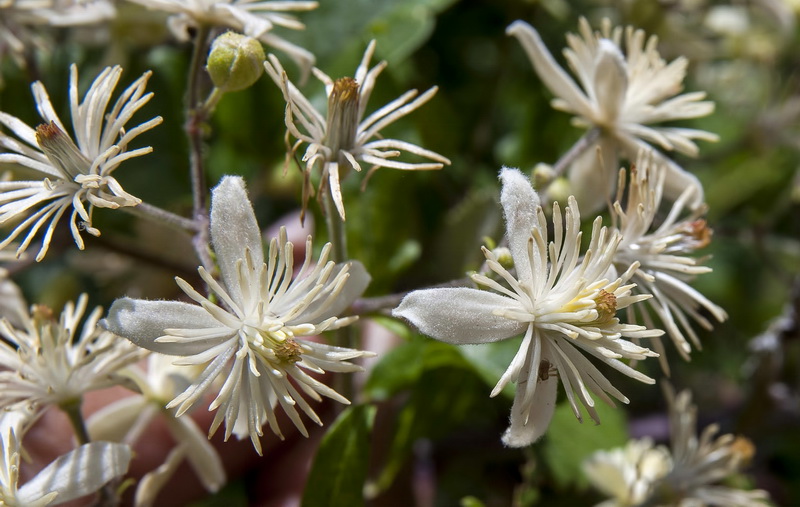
{"x": 623, "y": 95}
{"x": 565, "y": 304}
{"x": 71, "y": 172}
{"x": 253, "y": 340}
{"x": 342, "y": 139}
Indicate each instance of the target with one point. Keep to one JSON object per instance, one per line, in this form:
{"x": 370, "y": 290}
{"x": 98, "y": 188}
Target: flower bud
{"x": 559, "y": 190}
{"x": 542, "y": 175}
{"x": 504, "y": 257}
{"x": 235, "y": 61}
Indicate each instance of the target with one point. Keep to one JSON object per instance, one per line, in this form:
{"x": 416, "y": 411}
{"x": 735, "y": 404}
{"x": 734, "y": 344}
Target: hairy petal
{"x": 459, "y": 315}
{"x": 520, "y": 433}
{"x": 233, "y": 230}
{"x": 142, "y": 321}
{"x": 519, "y": 202}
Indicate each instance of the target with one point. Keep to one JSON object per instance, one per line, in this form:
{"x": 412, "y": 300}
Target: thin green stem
{"x": 337, "y": 234}
{"x": 195, "y": 121}
{"x": 346, "y": 336}
{"x": 162, "y": 216}
{"x": 73, "y": 410}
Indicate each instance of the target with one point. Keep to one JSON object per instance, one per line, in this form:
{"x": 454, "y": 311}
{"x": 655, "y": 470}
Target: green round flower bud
{"x": 542, "y": 175}
{"x": 235, "y": 62}
{"x": 559, "y": 190}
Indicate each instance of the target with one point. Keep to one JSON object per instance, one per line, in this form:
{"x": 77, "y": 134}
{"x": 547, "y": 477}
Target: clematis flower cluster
{"x": 622, "y": 94}
{"x": 564, "y": 303}
{"x": 689, "y": 473}
{"x": 71, "y": 172}
{"x": 255, "y": 339}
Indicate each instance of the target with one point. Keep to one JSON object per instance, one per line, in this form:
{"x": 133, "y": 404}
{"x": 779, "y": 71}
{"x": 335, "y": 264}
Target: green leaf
{"x": 342, "y": 29}
{"x": 340, "y": 467}
{"x": 397, "y": 370}
{"x": 568, "y": 442}
{"x": 491, "y": 360}
{"x": 433, "y": 410}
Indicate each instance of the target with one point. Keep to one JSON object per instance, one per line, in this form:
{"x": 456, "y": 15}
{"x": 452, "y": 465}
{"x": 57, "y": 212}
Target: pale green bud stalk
{"x": 235, "y": 62}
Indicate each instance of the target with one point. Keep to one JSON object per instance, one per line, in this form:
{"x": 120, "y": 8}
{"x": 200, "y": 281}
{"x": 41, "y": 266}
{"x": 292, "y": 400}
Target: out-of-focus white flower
{"x": 254, "y": 18}
{"x": 564, "y": 304}
{"x": 21, "y": 21}
{"x": 342, "y": 139}
{"x": 622, "y": 95}
{"x": 699, "y": 464}
{"x": 78, "y": 473}
{"x": 53, "y": 362}
{"x": 126, "y": 421}
{"x": 72, "y": 172}
{"x": 664, "y": 251}
{"x": 255, "y": 342}
{"x": 687, "y": 475}
{"x": 12, "y": 304}
{"x": 627, "y": 474}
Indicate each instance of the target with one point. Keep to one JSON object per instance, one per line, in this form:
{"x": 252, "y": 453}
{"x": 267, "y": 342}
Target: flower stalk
{"x": 195, "y": 118}
{"x": 73, "y": 410}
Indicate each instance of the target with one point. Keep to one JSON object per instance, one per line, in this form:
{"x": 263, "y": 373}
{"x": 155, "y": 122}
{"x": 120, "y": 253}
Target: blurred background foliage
{"x": 434, "y": 438}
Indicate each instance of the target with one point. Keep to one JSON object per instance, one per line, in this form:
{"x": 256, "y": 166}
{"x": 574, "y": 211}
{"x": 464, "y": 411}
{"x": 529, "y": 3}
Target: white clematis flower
{"x": 664, "y": 252}
{"x": 628, "y": 474}
{"x": 54, "y": 362}
{"x": 71, "y": 172}
{"x": 689, "y": 474}
{"x": 127, "y": 420}
{"x": 21, "y": 22}
{"x": 622, "y": 95}
{"x": 342, "y": 139}
{"x": 255, "y": 341}
{"x": 254, "y": 18}
{"x": 564, "y": 304}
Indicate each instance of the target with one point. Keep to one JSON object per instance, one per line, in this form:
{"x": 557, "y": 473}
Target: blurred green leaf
{"x": 397, "y": 370}
{"x": 567, "y": 443}
{"x": 340, "y": 467}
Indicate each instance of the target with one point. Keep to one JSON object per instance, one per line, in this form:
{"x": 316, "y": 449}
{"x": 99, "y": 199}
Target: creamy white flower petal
{"x": 519, "y": 201}
{"x": 550, "y": 72}
{"x": 528, "y": 426}
{"x": 143, "y": 321}
{"x": 234, "y": 230}
{"x": 204, "y": 459}
{"x": 459, "y": 315}
{"x": 77, "y": 473}
{"x": 112, "y": 422}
